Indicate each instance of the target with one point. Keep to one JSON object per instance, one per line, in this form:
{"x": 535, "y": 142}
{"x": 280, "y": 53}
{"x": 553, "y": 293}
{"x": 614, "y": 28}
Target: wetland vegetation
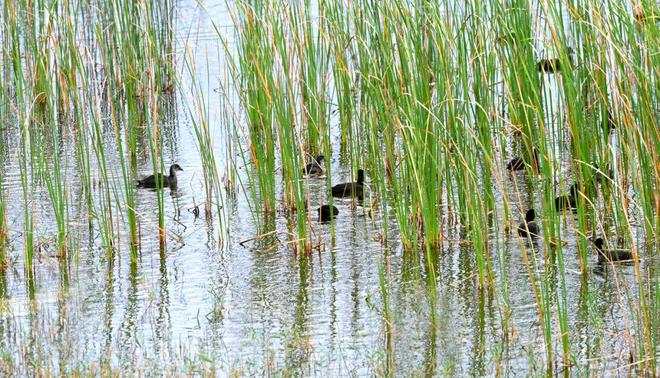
{"x": 341, "y": 187}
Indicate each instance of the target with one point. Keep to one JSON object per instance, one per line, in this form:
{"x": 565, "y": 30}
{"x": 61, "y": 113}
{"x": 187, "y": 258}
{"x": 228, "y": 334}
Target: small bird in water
{"x": 549, "y": 65}
{"x": 611, "y": 122}
{"x": 552, "y": 65}
{"x": 165, "y": 181}
{"x": 529, "y": 228}
{"x": 350, "y": 189}
{"x": 327, "y": 212}
{"x": 605, "y": 175}
{"x": 606, "y": 255}
{"x": 568, "y": 201}
{"x": 314, "y": 168}
{"x": 518, "y": 163}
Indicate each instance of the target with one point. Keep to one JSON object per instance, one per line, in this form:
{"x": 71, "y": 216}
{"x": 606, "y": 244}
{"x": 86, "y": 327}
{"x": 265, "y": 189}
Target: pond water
{"x": 233, "y": 305}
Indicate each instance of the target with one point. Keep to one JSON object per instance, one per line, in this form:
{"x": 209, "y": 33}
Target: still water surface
{"x": 212, "y": 305}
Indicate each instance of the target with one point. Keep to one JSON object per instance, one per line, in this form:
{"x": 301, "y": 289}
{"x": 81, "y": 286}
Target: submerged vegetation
{"x": 431, "y": 99}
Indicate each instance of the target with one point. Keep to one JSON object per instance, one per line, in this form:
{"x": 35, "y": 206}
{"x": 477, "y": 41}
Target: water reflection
{"x": 253, "y": 304}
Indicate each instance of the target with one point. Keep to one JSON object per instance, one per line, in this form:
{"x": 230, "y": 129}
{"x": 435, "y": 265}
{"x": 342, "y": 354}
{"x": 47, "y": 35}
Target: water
{"x": 258, "y": 307}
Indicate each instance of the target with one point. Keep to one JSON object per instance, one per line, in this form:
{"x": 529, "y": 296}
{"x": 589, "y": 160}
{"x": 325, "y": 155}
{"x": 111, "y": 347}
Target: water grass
{"x": 431, "y": 94}
{"x": 431, "y": 98}
{"x": 199, "y": 112}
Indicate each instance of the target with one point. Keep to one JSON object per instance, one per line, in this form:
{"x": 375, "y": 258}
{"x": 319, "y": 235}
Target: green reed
{"x": 53, "y": 175}
{"x": 103, "y": 210}
{"x": 287, "y": 123}
{"x": 279, "y": 109}
{"x": 199, "y": 114}
{"x": 4, "y": 119}
{"x": 3, "y": 227}
{"x": 311, "y": 44}
{"x": 155, "y": 141}
{"x": 255, "y": 63}
{"x": 429, "y": 96}
{"x": 26, "y": 175}
{"x": 139, "y": 70}
{"x": 25, "y": 103}
{"x": 385, "y": 283}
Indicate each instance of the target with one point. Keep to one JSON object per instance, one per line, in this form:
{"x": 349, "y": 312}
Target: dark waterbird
{"x": 529, "y": 226}
{"x": 604, "y": 175}
{"x": 314, "y": 168}
{"x": 568, "y": 201}
{"x": 518, "y": 163}
{"x": 350, "y": 189}
{"x": 552, "y": 65}
{"x": 611, "y": 254}
{"x": 611, "y": 122}
{"x": 327, "y": 212}
{"x": 644, "y": 17}
{"x": 549, "y": 65}
{"x": 165, "y": 181}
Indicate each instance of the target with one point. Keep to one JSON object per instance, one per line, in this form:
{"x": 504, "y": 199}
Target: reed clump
{"x": 430, "y": 98}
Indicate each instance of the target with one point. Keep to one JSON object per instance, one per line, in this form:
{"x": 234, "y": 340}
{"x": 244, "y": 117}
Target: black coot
{"x": 165, "y": 181}
{"x": 568, "y": 201}
{"x": 314, "y": 168}
{"x": 518, "y": 163}
{"x": 611, "y": 254}
{"x": 552, "y": 65}
{"x": 327, "y": 212}
{"x": 529, "y": 226}
{"x": 350, "y": 189}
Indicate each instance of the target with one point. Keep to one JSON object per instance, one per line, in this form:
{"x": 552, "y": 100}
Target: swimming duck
{"x": 518, "y": 163}
{"x": 350, "y": 189}
{"x": 568, "y": 201}
{"x": 165, "y": 181}
{"x": 552, "y": 65}
{"x": 529, "y": 226}
{"x": 611, "y": 122}
{"x": 611, "y": 254}
{"x": 549, "y": 65}
{"x": 314, "y": 168}
{"x": 326, "y": 212}
{"x": 602, "y": 176}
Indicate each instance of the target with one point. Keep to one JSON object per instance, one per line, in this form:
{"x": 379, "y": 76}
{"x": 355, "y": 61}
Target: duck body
{"x": 165, "y": 181}
{"x": 611, "y": 122}
{"x": 515, "y": 164}
{"x": 327, "y": 212}
{"x": 606, "y": 255}
{"x": 603, "y": 176}
{"x": 350, "y": 189}
{"x": 568, "y": 201}
{"x": 554, "y": 65}
{"x": 518, "y": 163}
{"x": 314, "y": 168}
{"x": 549, "y": 65}
{"x": 529, "y": 228}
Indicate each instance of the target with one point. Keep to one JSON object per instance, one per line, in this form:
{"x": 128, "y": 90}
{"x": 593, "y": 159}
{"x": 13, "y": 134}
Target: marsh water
{"x": 249, "y": 305}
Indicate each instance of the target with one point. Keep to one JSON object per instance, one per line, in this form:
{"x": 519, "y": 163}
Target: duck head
{"x": 599, "y": 242}
{"x": 530, "y": 215}
{"x": 174, "y": 168}
{"x": 360, "y": 179}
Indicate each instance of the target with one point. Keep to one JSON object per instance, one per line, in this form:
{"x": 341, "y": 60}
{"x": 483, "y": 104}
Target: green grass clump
{"x": 433, "y": 97}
